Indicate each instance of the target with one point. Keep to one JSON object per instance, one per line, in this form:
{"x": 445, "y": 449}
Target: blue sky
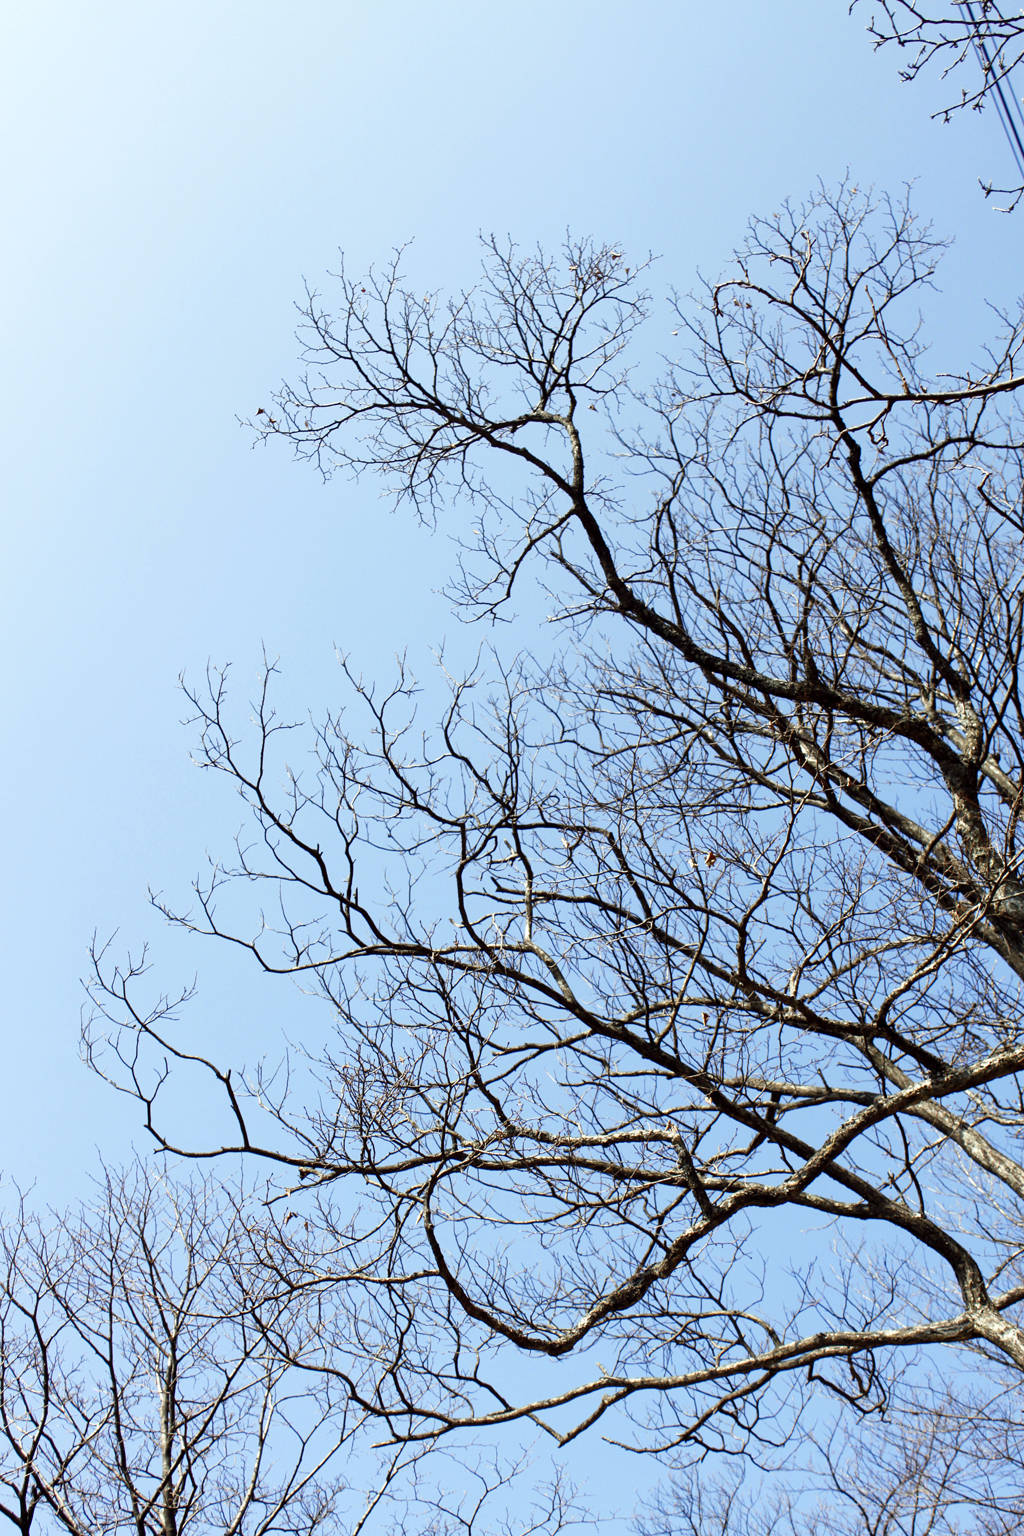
{"x": 172, "y": 175}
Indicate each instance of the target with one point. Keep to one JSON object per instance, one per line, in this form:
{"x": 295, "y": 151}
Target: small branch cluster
{"x": 980, "y": 43}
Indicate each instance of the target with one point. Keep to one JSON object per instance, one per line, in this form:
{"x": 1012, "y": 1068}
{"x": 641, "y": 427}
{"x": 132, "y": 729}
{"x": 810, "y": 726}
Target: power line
{"x": 1007, "y": 107}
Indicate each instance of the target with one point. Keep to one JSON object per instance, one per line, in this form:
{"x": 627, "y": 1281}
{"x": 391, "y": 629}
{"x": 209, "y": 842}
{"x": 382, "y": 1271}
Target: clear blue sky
{"x": 172, "y": 173}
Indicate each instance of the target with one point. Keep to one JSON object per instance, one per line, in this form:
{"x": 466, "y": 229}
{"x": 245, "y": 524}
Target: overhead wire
{"x": 1008, "y": 108}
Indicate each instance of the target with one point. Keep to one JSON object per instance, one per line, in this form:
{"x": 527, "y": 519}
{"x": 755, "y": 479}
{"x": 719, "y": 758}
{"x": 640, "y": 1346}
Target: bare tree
{"x": 666, "y": 968}
{"x": 140, "y": 1390}
{"x": 137, "y": 1392}
{"x": 940, "y": 1463}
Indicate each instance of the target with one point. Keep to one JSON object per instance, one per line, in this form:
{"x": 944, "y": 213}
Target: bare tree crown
{"x": 696, "y": 953}
{"x": 138, "y": 1390}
